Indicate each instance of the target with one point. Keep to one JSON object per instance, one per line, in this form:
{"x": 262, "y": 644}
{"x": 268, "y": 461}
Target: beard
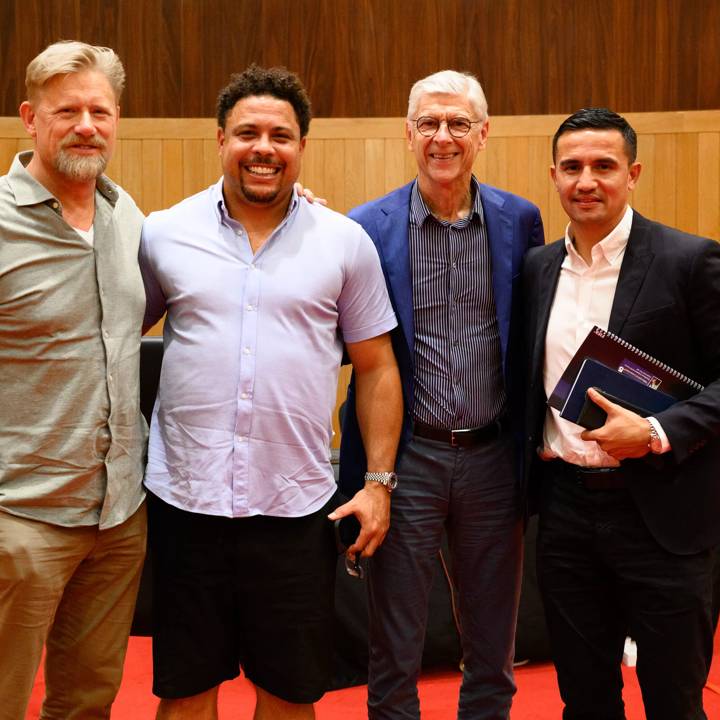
{"x": 265, "y": 195}
{"x": 79, "y": 167}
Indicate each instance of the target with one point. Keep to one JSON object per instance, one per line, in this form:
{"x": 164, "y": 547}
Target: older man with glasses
{"x": 451, "y": 250}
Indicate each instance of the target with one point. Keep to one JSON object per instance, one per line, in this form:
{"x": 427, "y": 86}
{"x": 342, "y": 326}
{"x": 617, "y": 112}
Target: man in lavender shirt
{"x": 262, "y": 292}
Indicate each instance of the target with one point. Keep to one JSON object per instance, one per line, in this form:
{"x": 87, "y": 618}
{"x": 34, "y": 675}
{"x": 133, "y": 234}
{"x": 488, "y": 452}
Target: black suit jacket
{"x": 667, "y": 303}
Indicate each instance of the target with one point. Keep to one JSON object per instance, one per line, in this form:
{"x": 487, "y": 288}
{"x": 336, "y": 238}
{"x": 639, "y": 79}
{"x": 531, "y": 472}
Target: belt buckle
{"x": 455, "y": 436}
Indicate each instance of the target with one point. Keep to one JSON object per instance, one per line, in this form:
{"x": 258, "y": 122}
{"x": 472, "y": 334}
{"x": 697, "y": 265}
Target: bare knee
{"x": 195, "y": 707}
{"x": 271, "y": 707}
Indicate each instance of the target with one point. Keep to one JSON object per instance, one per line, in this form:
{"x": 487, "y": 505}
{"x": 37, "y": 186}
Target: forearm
{"x": 379, "y": 413}
{"x": 379, "y": 410}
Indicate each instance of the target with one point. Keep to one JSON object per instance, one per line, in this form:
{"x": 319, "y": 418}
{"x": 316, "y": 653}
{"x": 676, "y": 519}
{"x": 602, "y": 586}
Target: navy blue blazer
{"x": 513, "y": 225}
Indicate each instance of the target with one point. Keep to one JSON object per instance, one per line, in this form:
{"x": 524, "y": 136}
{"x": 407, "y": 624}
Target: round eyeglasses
{"x": 457, "y": 126}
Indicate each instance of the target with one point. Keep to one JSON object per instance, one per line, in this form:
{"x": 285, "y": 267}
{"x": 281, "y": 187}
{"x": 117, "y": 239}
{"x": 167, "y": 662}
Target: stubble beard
{"x": 266, "y": 197}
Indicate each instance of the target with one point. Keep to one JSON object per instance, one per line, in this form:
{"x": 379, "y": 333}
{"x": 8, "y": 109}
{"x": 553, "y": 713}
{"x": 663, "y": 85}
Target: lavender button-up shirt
{"x": 253, "y": 342}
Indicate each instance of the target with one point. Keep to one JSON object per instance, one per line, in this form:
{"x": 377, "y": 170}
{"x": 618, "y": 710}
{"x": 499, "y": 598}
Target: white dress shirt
{"x": 583, "y": 298}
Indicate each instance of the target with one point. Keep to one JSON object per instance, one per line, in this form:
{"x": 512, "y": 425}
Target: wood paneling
{"x": 351, "y": 161}
{"x": 359, "y": 58}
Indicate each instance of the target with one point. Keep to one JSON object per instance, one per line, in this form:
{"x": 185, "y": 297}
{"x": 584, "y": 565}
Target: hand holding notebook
{"x": 617, "y": 387}
{"x": 621, "y": 372}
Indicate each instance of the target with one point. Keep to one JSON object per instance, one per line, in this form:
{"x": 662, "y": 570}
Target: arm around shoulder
{"x": 155, "y": 304}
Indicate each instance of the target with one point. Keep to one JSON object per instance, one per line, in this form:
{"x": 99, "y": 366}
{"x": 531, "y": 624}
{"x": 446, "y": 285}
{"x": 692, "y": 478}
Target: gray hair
{"x": 71, "y": 56}
{"x": 449, "y": 82}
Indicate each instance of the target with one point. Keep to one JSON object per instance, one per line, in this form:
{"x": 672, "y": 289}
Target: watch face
{"x": 388, "y": 479}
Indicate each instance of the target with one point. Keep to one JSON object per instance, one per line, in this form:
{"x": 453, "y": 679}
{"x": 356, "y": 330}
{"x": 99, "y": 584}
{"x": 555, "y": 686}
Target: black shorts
{"x": 256, "y": 593}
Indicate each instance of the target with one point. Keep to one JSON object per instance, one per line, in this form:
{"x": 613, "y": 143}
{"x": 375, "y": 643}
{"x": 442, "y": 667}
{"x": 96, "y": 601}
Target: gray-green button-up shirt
{"x": 72, "y": 438}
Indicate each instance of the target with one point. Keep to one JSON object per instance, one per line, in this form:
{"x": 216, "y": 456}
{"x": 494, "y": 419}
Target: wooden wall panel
{"x": 665, "y": 186}
{"x": 373, "y": 168}
{"x": 132, "y": 169}
{"x": 193, "y": 166}
{"x": 8, "y": 150}
{"x": 708, "y": 183}
{"x": 686, "y": 161}
{"x": 359, "y": 58}
{"x": 644, "y": 194}
{"x": 351, "y": 161}
{"x": 152, "y": 151}
{"x": 172, "y": 175}
{"x": 355, "y": 180}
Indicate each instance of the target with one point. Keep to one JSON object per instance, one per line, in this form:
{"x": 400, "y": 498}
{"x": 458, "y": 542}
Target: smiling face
{"x": 445, "y": 161}
{"x": 73, "y": 120}
{"x": 260, "y": 150}
{"x": 594, "y": 177}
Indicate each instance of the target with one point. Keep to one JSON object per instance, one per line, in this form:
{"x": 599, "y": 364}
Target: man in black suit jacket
{"x": 629, "y": 512}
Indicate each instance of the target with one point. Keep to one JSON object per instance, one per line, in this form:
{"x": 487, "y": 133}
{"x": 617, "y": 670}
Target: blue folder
{"x": 617, "y": 387}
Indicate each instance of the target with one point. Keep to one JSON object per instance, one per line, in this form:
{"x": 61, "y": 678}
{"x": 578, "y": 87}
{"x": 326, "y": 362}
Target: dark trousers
{"x": 603, "y": 576}
{"x": 471, "y": 492}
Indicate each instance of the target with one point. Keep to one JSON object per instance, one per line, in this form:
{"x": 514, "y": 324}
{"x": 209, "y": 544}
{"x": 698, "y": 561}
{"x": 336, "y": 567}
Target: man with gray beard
{"x": 72, "y": 438}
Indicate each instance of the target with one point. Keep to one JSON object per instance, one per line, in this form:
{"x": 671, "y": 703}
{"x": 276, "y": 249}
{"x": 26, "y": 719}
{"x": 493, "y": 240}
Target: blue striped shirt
{"x": 458, "y": 368}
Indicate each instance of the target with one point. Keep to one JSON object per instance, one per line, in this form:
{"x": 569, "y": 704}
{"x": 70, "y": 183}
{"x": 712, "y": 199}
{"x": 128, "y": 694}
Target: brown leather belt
{"x": 460, "y": 438}
{"x": 606, "y": 478}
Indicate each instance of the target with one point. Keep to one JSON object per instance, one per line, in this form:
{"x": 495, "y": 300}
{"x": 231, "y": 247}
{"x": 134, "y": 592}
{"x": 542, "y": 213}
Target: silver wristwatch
{"x": 388, "y": 479}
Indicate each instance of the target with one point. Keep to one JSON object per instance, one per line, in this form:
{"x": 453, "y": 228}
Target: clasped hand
{"x": 625, "y": 434}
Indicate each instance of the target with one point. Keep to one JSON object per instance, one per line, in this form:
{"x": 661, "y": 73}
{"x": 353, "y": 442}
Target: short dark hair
{"x": 277, "y": 82}
{"x": 598, "y": 119}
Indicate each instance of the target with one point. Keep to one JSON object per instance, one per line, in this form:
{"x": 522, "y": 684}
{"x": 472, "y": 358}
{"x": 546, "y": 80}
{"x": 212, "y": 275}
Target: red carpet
{"x": 537, "y": 697}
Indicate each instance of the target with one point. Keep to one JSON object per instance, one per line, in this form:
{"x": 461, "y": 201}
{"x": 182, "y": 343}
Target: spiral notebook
{"x": 618, "y": 387}
{"x": 612, "y": 351}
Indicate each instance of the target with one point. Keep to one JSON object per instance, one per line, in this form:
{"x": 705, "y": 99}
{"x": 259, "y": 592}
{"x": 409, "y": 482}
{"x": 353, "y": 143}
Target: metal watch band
{"x": 388, "y": 479}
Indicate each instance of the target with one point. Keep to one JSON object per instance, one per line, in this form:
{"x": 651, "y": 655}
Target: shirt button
{"x": 246, "y": 350}
{"x": 110, "y": 377}
{"x": 250, "y": 307}
{"x": 241, "y": 438}
{"x": 55, "y": 206}
{"x": 106, "y": 333}
{"x": 244, "y": 396}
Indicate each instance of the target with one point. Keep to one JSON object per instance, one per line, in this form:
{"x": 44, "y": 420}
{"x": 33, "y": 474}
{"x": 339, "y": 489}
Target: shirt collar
{"x": 28, "y": 191}
{"x": 612, "y": 246}
{"x": 224, "y": 217}
{"x": 420, "y": 212}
